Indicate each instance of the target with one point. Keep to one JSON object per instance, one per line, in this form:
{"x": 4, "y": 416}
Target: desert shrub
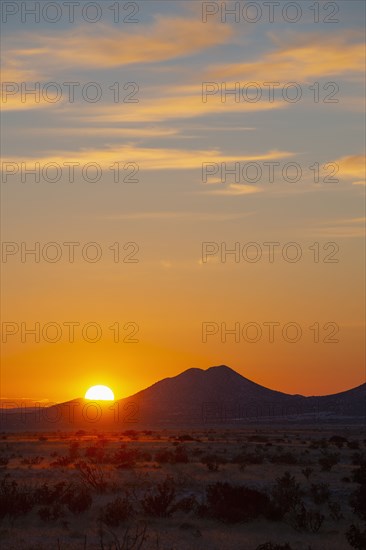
{"x": 32, "y": 461}
{"x": 186, "y": 504}
{"x": 51, "y": 512}
{"x": 286, "y": 493}
{"x": 231, "y": 503}
{"x": 160, "y": 503}
{"x": 54, "y": 498}
{"x": 213, "y": 462}
{"x": 78, "y": 499}
{"x": 132, "y": 434}
{"x": 328, "y": 460}
{"x": 125, "y": 458}
{"x": 284, "y": 458}
{"x": 307, "y": 471}
{"x": 15, "y": 500}
{"x": 302, "y": 519}
{"x": 178, "y": 456}
{"x": 185, "y": 437}
{"x": 45, "y": 495}
{"x": 319, "y": 444}
{"x": 163, "y": 456}
{"x": 273, "y": 546}
{"x": 92, "y": 475}
{"x": 356, "y": 538}
{"x": 353, "y": 445}
{"x": 338, "y": 440}
{"x": 359, "y": 475}
{"x": 335, "y": 511}
{"x": 358, "y": 501}
{"x": 74, "y": 450}
{"x": 96, "y": 454}
{"x": 116, "y": 512}
{"x": 319, "y": 492}
{"x": 61, "y": 462}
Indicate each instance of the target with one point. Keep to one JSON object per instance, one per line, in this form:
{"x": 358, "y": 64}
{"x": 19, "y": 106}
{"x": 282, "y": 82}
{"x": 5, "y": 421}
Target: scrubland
{"x": 270, "y": 488}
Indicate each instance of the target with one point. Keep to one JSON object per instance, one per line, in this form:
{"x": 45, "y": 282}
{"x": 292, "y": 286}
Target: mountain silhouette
{"x": 218, "y": 395}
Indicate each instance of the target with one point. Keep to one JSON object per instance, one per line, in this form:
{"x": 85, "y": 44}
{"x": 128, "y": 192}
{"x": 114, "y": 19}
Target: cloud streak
{"x": 103, "y": 46}
{"x": 299, "y": 58}
{"x": 149, "y": 158}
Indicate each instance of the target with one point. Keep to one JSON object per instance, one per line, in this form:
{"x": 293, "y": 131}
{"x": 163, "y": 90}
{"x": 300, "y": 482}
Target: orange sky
{"x": 162, "y": 291}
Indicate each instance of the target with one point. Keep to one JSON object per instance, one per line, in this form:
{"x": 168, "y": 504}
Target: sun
{"x": 100, "y": 393}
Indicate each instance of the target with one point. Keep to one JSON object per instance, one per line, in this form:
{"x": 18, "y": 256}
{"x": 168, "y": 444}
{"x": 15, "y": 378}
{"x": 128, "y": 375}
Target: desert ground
{"x": 247, "y": 488}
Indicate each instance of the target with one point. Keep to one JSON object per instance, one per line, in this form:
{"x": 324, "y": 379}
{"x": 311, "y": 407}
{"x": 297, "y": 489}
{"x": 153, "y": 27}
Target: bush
{"x": 232, "y": 503}
{"x": 353, "y": 445}
{"x": 116, "y": 512}
{"x": 358, "y": 501}
{"x": 302, "y": 519}
{"x": 359, "y": 475}
{"x": 61, "y": 462}
{"x": 307, "y": 471}
{"x": 319, "y": 492}
{"x": 160, "y": 503}
{"x": 53, "y": 499}
{"x": 163, "y": 457}
{"x": 338, "y": 440}
{"x": 125, "y": 458}
{"x": 32, "y": 461}
{"x": 286, "y": 494}
{"x": 284, "y": 458}
{"x": 181, "y": 455}
{"x": 212, "y": 462}
{"x": 51, "y": 513}
{"x": 178, "y": 456}
{"x": 46, "y": 495}
{"x": 92, "y": 475}
{"x": 185, "y": 437}
{"x": 187, "y": 504}
{"x": 95, "y": 453}
{"x": 74, "y": 450}
{"x": 335, "y": 511}
{"x": 78, "y": 499}
{"x": 328, "y": 460}
{"x": 356, "y": 538}
{"x": 14, "y": 500}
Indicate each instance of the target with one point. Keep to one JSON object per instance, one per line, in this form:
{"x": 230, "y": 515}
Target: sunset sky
{"x": 172, "y": 291}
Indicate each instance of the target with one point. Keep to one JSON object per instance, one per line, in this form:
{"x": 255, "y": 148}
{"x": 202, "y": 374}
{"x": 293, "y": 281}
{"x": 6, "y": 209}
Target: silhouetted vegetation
{"x": 160, "y": 502}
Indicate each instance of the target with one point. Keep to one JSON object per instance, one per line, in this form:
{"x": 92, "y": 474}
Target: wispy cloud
{"x": 236, "y": 189}
{"x": 171, "y": 105}
{"x": 149, "y": 158}
{"x": 177, "y": 215}
{"x": 353, "y": 167}
{"x": 104, "y": 46}
{"x": 342, "y": 228}
{"x": 300, "y": 58}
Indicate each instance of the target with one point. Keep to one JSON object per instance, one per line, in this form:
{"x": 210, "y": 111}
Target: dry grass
{"x": 121, "y": 471}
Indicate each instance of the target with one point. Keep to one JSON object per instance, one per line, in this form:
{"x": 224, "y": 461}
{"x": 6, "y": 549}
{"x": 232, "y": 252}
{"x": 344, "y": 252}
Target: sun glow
{"x": 100, "y": 393}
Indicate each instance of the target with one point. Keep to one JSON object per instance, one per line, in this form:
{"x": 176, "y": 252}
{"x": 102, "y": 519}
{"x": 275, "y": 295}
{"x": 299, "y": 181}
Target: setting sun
{"x": 100, "y": 393}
